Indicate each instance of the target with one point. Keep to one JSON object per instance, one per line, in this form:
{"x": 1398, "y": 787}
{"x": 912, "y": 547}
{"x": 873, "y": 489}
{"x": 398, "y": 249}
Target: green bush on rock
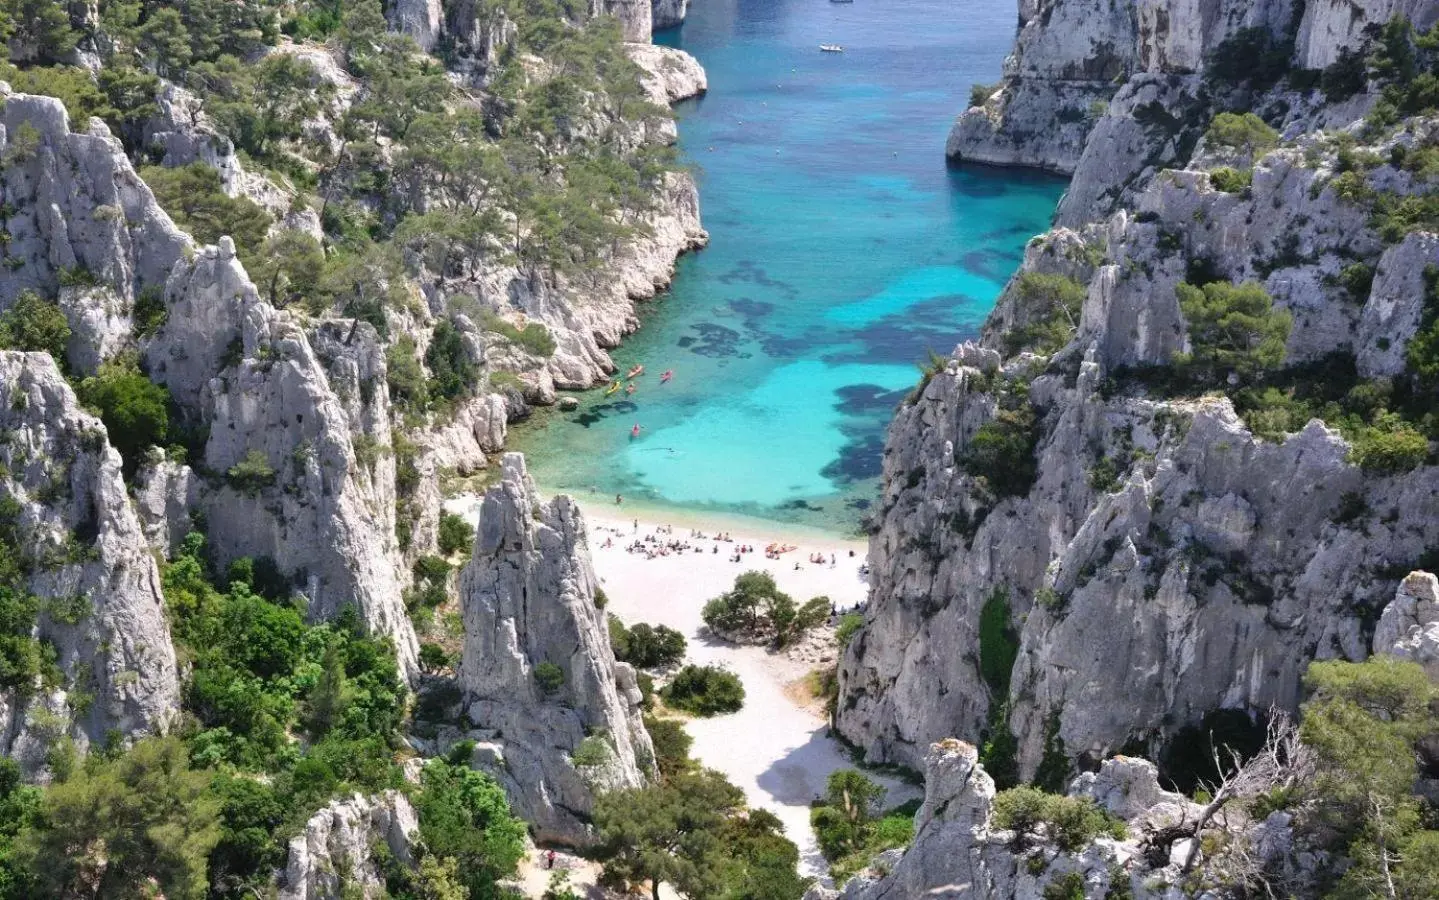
{"x": 704, "y": 691}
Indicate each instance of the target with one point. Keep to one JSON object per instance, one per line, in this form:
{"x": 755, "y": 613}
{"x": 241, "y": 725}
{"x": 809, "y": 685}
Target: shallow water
{"x": 842, "y": 251}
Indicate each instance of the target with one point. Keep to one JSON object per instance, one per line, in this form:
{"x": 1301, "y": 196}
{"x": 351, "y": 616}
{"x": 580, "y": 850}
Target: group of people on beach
{"x": 654, "y": 546}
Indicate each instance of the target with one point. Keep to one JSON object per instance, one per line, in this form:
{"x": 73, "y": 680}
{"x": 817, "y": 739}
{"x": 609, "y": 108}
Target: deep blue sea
{"x": 842, "y": 251}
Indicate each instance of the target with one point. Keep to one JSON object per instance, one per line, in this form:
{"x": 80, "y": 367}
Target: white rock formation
{"x": 333, "y": 857}
{"x": 78, "y": 207}
{"x": 102, "y": 611}
{"x": 959, "y": 853}
{"x": 670, "y": 75}
{"x": 668, "y": 13}
{"x": 1409, "y": 626}
{"x": 635, "y": 17}
{"x": 249, "y": 373}
{"x": 528, "y": 597}
{"x": 1070, "y": 55}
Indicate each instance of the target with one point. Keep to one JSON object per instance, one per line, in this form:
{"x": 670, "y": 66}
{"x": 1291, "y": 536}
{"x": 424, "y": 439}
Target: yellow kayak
{"x": 612, "y": 388}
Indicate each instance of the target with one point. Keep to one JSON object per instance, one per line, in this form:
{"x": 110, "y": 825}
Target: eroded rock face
{"x": 1409, "y": 626}
{"x": 670, "y": 75}
{"x": 668, "y": 13}
{"x": 528, "y": 597}
{"x": 1071, "y": 55}
{"x": 635, "y": 17}
{"x": 959, "y": 853}
{"x": 78, "y": 207}
{"x": 323, "y": 511}
{"x": 1165, "y": 552}
{"x": 67, "y": 512}
{"x": 333, "y": 857}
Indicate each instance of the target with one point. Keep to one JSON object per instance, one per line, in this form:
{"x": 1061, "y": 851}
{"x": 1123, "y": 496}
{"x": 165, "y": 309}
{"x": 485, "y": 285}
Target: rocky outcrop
{"x": 334, "y": 856}
{"x": 76, "y": 210}
{"x": 1409, "y": 626}
{"x": 635, "y": 17}
{"x": 1329, "y": 27}
{"x": 959, "y": 853}
{"x": 537, "y": 672}
{"x": 283, "y": 438}
{"x": 1070, "y": 56}
{"x": 69, "y": 524}
{"x": 1164, "y": 550}
{"x": 670, "y": 75}
{"x": 668, "y": 13}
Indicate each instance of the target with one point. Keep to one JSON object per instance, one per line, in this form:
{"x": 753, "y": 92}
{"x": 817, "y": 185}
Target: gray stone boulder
{"x": 334, "y": 857}
{"x": 1409, "y": 626}
{"x": 668, "y": 13}
{"x": 101, "y": 607}
{"x": 528, "y": 599}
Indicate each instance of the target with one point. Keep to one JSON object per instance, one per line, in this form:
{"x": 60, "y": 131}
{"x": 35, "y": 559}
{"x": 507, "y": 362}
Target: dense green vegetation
{"x": 35, "y": 325}
{"x": 1002, "y": 452}
{"x": 1071, "y": 822}
{"x": 135, "y": 410}
{"x": 1051, "y": 304}
{"x": 279, "y": 716}
{"x": 691, "y": 831}
{"x": 851, "y": 826}
{"x": 1367, "y": 722}
{"x": 755, "y": 606}
{"x": 646, "y": 646}
{"x": 704, "y": 691}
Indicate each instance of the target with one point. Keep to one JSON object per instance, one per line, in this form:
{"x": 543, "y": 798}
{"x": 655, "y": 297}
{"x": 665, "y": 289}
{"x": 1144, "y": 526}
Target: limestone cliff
{"x": 538, "y": 675}
{"x": 67, "y": 525}
{"x": 1070, "y": 57}
{"x": 1164, "y": 547}
{"x": 668, "y": 13}
{"x": 960, "y": 852}
{"x": 334, "y": 856}
{"x": 236, "y": 369}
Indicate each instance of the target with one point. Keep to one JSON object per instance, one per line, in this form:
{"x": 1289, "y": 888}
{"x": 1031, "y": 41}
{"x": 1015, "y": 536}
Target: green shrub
{"x": 1231, "y": 181}
{"x": 979, "y": 94}
{"x": 1050, "y": 307}
{"x": 704, "y": 691}
{"x": 465, "y": 817}
{"x": 672, "y": 746}
{"x": 456, "y": 535}
{"x": 1071, "y": 822}
{"x": 549, "y": 677}
{"x": 647, "y": 646}
{"x": 1245, "y": 132}
{"x": 1069, "y": 886}
{"x": 452, "y": 373}
{"x": 593, "y": 751}
{"x": 998, "y": 644}
{"x": 251, "y": 474}
{"x": 134, "y": 409}
{"x": 35, "y": 325}
{"x": 534, "y": 338}
{"x": 849, "y": 624}
{"x": 434, "y": 658}
{"x": 1249, "y": 56}
{"x": 1389, "y": 447}
{"x": 1234, "y": 330}
{"x": 195, "y": 199}
{"x": 1002, "y": 452}
{"x": 406, "y": 378}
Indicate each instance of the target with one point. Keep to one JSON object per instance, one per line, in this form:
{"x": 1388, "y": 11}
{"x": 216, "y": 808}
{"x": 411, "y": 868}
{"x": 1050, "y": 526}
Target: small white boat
{"x": 831, "y": 48}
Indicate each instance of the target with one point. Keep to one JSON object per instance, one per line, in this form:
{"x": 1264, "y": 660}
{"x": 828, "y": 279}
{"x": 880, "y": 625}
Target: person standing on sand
{"x": 550, "y": 860}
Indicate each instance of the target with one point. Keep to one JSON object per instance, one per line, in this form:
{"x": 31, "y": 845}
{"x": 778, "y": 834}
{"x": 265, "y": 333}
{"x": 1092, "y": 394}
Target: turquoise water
{"x": 842, "y": 250}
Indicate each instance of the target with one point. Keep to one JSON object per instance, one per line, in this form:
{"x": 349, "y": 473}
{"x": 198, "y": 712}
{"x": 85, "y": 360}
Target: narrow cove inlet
{"x": 842, "y": 252}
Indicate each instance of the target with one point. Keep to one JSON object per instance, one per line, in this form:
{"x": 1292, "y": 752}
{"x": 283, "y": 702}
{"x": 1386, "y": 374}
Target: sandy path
{"x": 774, "y": 749}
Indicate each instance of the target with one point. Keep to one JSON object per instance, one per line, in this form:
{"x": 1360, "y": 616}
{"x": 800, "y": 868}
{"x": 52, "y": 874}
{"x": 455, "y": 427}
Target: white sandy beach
{"x": 775, "y": 749}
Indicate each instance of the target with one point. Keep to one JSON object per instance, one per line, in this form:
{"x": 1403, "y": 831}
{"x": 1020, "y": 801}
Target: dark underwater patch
{"x": 747, "y": 271}
{"x": 865, "y": 399}
{"x": 861, "y": 458}
{"x": 714, "y": 341}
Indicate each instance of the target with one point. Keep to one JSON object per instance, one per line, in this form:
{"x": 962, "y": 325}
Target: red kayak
{"x": 635, "y": 431}
{"x": 668, "y": 374}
